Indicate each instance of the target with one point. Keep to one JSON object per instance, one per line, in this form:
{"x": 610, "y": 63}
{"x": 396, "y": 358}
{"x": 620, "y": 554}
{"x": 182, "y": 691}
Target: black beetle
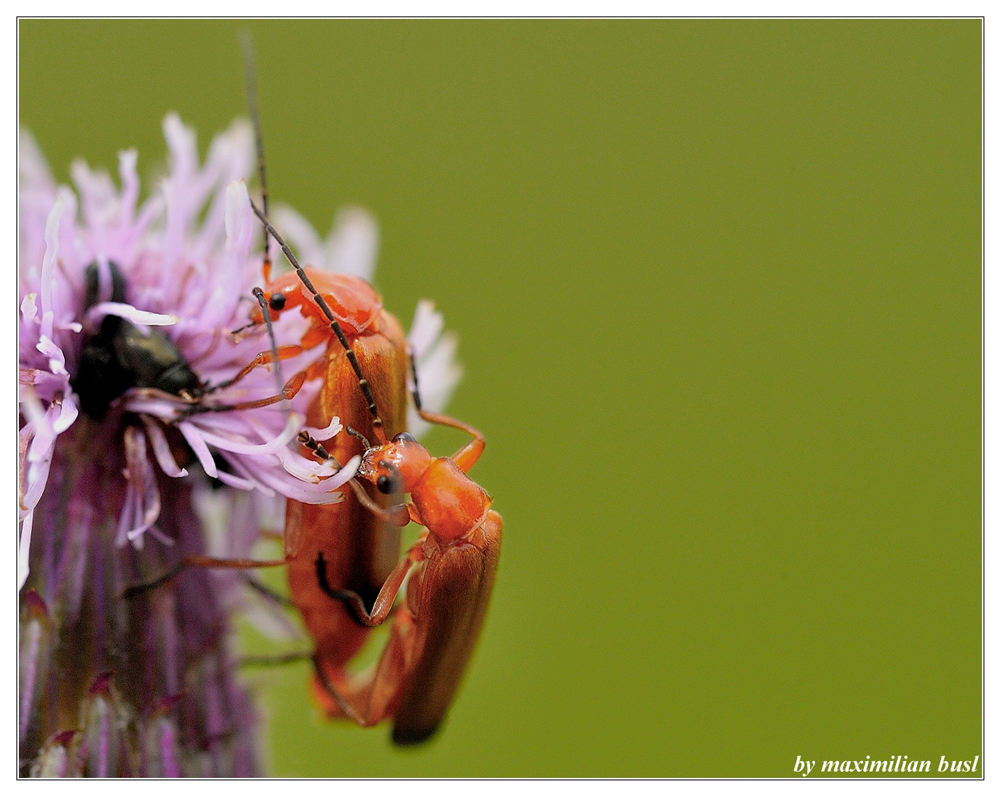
{"x": 120, "y": 356}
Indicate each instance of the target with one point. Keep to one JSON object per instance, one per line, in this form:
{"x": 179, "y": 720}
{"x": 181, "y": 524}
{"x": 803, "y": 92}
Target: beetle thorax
{"x": 353, "y": 302}
{"x": 450, "y": 503}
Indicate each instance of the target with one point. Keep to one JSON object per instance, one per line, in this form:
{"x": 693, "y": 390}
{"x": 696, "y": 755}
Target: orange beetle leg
{"x": 470, "y": 453}
{"x": 395, "y": 515}
{"x": 368, "y": 699}
{"x": 289, "y": 391}
{"x": 263, "y": 358}
{"x": 315, "y": 335}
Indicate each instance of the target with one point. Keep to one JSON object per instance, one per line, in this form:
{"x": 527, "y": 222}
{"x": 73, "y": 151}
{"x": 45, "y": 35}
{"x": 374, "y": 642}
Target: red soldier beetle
{"x": 358, "y": 538}
{"x": 453, "y": 567}
{"x": 453, "y": 563}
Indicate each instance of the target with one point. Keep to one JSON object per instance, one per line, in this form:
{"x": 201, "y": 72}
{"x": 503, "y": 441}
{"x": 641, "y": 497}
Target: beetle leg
{"x": 326, "y": 690}
{"x": 289, "y": 391}
{"x": 367, "y": 699}
{"x": 396, "y": 514}
{"x": 267, "y": 592}
{"x": 199, "y": 561}
{"x": 415, "y": 514}
{"x": 386, "y": 596}
{"x": 263, "y": 358}
{"x": 470, "y": 453}
{"x": 275, "y": 660}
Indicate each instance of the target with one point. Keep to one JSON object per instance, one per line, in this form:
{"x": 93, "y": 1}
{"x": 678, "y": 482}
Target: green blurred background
{"x": 718, "y": 287}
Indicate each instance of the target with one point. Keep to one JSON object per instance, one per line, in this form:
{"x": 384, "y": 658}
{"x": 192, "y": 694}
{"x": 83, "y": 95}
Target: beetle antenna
{"x": 396, "y": 515}
{"x": 243, "y": 328}
{"x": 366, "y": 389}
{"x": 316, "y": 448}
{"x": 355, "y": 433}
{"x": 250, "y": 78}
{"x": 416, "y": 384}
{"x": 259, "y": 295}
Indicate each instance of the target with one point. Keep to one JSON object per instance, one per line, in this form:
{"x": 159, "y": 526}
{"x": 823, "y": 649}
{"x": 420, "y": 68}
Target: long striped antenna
{"x": 366, "y": 389}
{"x": 250, "y": 78}
{"x": 397, "y": 515}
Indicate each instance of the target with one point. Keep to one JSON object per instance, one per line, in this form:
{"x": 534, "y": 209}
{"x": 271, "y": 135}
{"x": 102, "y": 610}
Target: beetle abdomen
{"x": 449, "y": 604}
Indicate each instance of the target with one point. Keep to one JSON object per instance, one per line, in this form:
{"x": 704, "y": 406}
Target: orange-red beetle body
{"x": 454, "y": 565}
{"x": 359, "y": 547}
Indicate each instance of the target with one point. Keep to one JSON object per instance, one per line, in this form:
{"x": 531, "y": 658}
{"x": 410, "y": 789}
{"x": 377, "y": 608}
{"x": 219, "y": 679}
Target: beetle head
{"x": 283, "y": 293}
{"x": 395, "y": 466}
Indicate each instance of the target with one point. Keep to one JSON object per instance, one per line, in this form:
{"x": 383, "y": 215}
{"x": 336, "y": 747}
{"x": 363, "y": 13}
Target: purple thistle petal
{"x": 53, "y": 759}
{"x": 198, "y": 445}
{"x": 24, "y": 549}
{"x": 236, "y": 446}
{"x": 36, "y": 642}
{"x": 48, "y": 263}
{"x": 129, "y": 313}
{"x": 161, "y": 450}
{"x": 243, "y": 483}
{"x": 67, "y": 414}
{"x": 129, "y": 175}
{"x": 322, "y": 434}
{"x": 102, "y": 751}
{"x": 54, "y": 354}
{"x": 434, "y": 357}
{"x": 169, "y": 765}
{"x": 142, "y": 494}
{"x": 29, "y": 309}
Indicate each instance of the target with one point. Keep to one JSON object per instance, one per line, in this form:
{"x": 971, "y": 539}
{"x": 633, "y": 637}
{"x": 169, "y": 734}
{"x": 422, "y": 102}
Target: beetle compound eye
{"x": 404, "y": 436}
{"x": 387, "y": 484}
{"x": 276, "y": 302}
